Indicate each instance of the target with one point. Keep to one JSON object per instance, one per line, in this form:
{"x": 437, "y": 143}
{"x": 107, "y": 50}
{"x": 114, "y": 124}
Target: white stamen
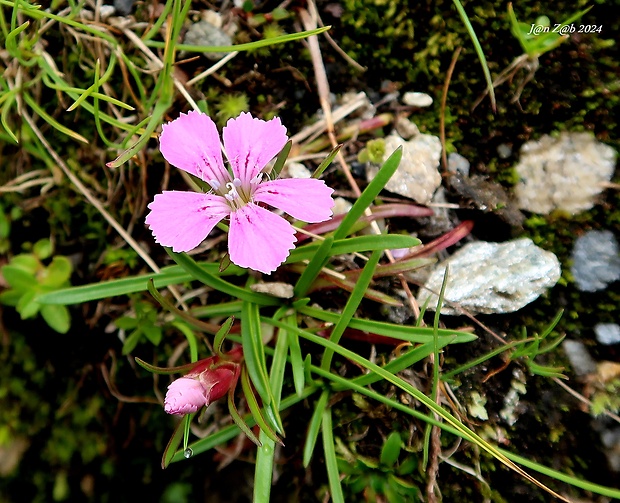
{"x": 215, "y": 185}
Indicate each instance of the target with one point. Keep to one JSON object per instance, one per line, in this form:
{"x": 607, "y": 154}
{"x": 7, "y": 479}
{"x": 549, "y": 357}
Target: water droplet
{"x": 188, "y": 453}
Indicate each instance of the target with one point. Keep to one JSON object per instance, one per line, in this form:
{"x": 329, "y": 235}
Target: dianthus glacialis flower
{"x": 257, "y": 239}
{"x": 188, "y": 394}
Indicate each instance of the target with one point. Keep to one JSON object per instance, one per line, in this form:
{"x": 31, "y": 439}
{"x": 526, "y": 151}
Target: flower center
{"x": 237, "y": 195}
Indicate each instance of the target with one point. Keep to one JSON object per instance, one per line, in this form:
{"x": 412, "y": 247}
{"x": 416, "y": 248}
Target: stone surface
{"x": 458, "y": 164}
{"x": 607, "y": 333}
{"x": 417, "y": 176}
{"x": 417, "y": 99}
{"x": 564, "y": 173}
{"x": 595, "y": 261}
{"x": 205, "y": 33}
{"x": 297, "y": 170}
{"x": 493, "y": 277}
{"x": 579, "y": 358}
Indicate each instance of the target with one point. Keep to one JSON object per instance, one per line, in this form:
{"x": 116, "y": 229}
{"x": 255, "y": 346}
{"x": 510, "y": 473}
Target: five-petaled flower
{"x": 257, "y": 238}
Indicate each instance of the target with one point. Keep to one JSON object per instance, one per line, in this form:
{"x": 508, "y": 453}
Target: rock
{"x": 579, "y": 358}
{"x": 275, "y": 289}
{"x": 596, "y": 261}
{"x": 493, "y": 277}
{"x": 458, "y": 164}
{"x": 504, "y": 150}
{"x": 417, "y": 176}
{"x": 405, "y": 128}
{"x": 341, "y": 206}
{"x": 564, "y": 173}
{"x": 205, "y": 33}
{"x": 417, "y": 99}
{"x": 297, "y": 170}
{"x": 123, "y": 7}
{"x": 607, "y": 333}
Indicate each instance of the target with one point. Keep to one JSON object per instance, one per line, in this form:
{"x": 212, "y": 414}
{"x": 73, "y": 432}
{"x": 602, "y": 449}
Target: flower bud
{"x": 188, "y": 394}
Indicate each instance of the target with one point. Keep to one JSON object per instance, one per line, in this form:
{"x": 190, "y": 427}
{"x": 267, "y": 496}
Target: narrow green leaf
{"x": 253, "y": 350}
{"x": 173, "y": 444}
{"x": 313, "y": 268}
{"x": 254, "y": 407}
{"x": 479, "y": 51}
{"x": 406, "y": 333}
{"x": 236, "y": 417}
{"x": 297, "y": 363}
{"x": 221, "y": 334}
{"x": 281, "y": 159}
{"x": 209, "y": 328}
{"x": 326, "y": 162}
{"x": 164, "y": 370}
{"x": 50, "y": 120}
{"x": 314, "y": 427}
{"x": 331, "y": 462}
{"x": 219, "y": 284}
{"x": 370, "y": 193}
{"x": 352, "y": 245}
{"x": 171, "y": 275}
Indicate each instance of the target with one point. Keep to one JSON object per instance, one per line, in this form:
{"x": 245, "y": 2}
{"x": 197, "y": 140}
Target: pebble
{"x": 493, "y": 277}
{"x": 607, "y": 333}
{"x": 297, "y": 170}
{"x": 205, "y": 33}
{"x": 581, "y": 361}
{"x": 458, "y": 164}
{"x": 565, "y": 173}
{"x": 417, "y": 99}
{"x": 417, "y": 176}
{"x": 595, "y": 261}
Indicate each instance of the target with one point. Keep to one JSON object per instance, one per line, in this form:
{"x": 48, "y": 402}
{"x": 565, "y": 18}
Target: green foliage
{"x": 144, "y": 326}
{"x": 541, "y": 36}
{"x": 380, "y": 479}
{"x": 28, "y": 277}
{"x": 373, "y": 152}
{"x": 231, "y": 105}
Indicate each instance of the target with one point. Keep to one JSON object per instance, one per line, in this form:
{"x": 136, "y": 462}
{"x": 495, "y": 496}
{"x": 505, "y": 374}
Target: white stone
{"x": 564, "y": 173}
{"x": 492, "y": 277}
{"x": 607, "y": 333}
{"x": 341, "y": 206}
{"x": 417, "y": 176}
{"x": 417, "y": 99}
{"x": 297, "y": 170}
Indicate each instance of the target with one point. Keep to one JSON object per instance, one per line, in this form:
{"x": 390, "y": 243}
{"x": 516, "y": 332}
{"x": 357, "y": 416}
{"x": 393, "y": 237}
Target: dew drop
{"x": 188, "y": 453}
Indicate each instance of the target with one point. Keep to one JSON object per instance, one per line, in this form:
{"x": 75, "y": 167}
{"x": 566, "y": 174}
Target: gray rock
{"x": 596, "y": 261}
{"x": 493, "y": 277}
{"x": 417, "y": 176}
{"x": 458, "y": 164}
{"x": 566, "y": 173}
{"x": 204, "y": 33}
{"x": 607, "y": 333}
{"x": 579, "y": 358}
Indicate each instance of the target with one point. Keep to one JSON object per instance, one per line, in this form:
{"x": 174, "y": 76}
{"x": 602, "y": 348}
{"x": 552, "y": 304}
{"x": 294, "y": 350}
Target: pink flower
{"x": 258, "y": 238}
{"x": 188, "y": 394}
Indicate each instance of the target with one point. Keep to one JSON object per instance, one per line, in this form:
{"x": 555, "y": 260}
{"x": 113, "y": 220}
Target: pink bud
{"x": 187, "y": 394}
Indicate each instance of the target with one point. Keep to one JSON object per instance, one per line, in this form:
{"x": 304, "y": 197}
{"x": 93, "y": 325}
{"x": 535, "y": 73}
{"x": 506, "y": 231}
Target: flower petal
{"x": 306, "y": 199}
{"x": 183, "y": 220}
{"x": 185, "y": 396}
{"x": 259, "y": 239}
{"x": 191, "y": 143}
{"x": 251, "y": 143}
